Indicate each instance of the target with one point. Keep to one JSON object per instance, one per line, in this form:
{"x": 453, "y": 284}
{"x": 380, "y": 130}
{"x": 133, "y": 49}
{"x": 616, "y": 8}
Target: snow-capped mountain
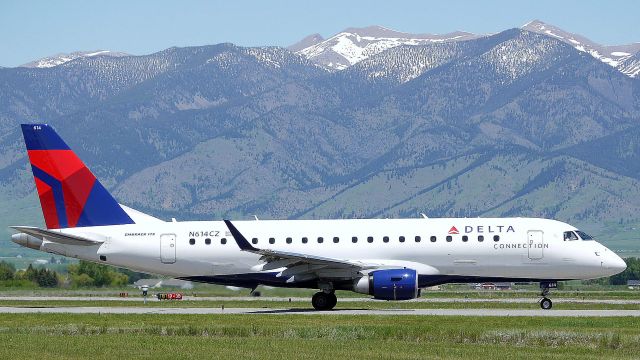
{"x": 353, "y": 45}
{"x": 308, "y": 41}
{"x": 504, "y": 125}
{"x": 62, "y": 58}
{"x": 356, "y": 44}
{"x": 620, "y": 57}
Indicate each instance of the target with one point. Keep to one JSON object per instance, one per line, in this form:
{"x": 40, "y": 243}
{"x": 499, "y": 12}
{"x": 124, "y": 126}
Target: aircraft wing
{"x": 310, "y": 263}
{"x": 57, "y": 237}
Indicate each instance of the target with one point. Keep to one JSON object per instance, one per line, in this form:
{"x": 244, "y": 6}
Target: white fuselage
{"x": 511, "y": 248}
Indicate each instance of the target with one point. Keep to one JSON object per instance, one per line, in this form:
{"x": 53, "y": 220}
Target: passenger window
{"x": 385, "y": 239}
{"x": 480, "y": 238}
{"x": 289, "y": 240}
{"x": 354, "y": 239}
{"x": 496, "y": 238}
{"x": 304, "y": 240}
{"x": 320, "y": 240}
{"x": 401, "y": 238}
{"x": 449, "y": 238}
{"x": 433, "y": 239}
{"x": 272, "y": 241}
{"x": 370, "y": 239}
{"x": 336, "y": 239}
{"x": 465, "y": 238}
{"x": 418, "y": 238}
{"x": 192, "y": 241}
{"x": 223, "y": 241}
{"x": 254, "y": 241}
{"x": 207, "y": 241}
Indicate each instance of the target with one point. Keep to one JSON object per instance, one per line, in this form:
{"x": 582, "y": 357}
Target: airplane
{"x": 388, "y": 259}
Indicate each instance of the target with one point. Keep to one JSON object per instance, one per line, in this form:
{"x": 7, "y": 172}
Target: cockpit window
{"x": 584, "y": 235}
{"x": 570, "y": 235}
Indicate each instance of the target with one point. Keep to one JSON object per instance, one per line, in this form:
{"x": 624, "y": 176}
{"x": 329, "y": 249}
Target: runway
{"x": 529, "y": 300}
{"x": 264, "y": 311}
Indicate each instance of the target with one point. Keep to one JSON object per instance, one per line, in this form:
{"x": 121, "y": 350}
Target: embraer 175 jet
{"x": 389, "y": 259}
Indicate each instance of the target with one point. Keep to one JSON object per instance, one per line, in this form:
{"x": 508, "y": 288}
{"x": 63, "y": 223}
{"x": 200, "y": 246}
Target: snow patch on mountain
{"x": 615, "y": 56}
{"x": 59, "y": 59}
{"x": 356, "y": 44}
{"x": 631, "y": 66}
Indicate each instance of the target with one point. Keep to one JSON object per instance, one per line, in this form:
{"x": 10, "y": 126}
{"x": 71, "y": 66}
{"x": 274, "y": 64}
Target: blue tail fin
{"x": 70, "y": 195}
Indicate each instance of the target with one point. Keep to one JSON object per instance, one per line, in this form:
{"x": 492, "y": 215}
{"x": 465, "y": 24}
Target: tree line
{"x": 82, "y": 274}
{"x": 88, "y": 274}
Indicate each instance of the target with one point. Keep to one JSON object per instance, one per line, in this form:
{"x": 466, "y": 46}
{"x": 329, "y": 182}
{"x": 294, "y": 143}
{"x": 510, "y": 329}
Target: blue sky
{"x": 34, "y": 29}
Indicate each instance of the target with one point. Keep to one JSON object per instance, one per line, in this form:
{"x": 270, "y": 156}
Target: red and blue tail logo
{"x": 70, "y": 195}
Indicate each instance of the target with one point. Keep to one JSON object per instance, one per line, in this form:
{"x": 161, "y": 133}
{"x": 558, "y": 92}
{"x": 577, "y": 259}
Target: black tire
{"x": 334, "y": 301}
{"x": 321, "y": 301}
{"x": 546, "y": 304}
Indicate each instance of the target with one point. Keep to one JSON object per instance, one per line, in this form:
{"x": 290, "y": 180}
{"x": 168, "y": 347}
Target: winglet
{"x": 242, "y": 242}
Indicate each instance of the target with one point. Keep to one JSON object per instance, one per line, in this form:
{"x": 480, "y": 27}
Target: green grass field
{"x": 63, "y": 336}
{"x": 342, "y": 305}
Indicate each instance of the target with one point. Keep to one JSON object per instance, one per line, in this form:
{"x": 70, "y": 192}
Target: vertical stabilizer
{"x": 70, "y": 195}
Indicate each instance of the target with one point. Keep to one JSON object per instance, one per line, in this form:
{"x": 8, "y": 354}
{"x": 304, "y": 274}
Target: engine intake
{"x": 392, "y": 284}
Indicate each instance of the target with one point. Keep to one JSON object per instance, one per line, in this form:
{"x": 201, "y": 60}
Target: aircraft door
{"x": 168, "y": 248}
{"x": 536, "y": 244}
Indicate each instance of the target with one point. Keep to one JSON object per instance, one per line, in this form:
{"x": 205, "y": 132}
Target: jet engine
{"x": 25, "y": 240}
{"x": 392, "y": 284}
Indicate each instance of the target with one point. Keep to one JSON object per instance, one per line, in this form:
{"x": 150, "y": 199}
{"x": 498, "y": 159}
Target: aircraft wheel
{"x": 322, "y": 301}
{"x": 334, "y": 301}
{"x": 546, "y": 304}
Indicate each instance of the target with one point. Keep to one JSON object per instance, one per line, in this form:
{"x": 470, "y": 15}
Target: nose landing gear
{"x": 546, "y": 303}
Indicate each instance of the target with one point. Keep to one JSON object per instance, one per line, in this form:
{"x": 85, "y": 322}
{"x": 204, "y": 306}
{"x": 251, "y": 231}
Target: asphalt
{"x": 258, "y": 311}
{"x": 341, "y": 300}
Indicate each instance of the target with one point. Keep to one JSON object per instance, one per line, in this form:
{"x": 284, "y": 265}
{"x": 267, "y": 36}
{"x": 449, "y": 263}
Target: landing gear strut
{"x": 546, "y": 303}
{"x": 324, "y": 300}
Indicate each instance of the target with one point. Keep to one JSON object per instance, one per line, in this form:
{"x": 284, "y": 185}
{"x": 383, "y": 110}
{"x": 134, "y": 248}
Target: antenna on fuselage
{"x": 256, "y": 217}
{"x": 424, "y": 215}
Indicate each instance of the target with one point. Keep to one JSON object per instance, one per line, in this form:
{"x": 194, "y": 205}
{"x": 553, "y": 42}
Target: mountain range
{"x": 356, "y": 44}
{"x": 368, "y": 123}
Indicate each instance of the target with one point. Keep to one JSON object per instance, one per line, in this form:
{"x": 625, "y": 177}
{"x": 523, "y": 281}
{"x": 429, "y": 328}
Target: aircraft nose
{"x": 617, "y": 264}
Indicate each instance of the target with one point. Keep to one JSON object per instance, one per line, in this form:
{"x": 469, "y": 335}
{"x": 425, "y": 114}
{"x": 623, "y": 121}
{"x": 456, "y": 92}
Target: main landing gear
{"x": 324, "y": 300}
{"x": 546, "y": 303}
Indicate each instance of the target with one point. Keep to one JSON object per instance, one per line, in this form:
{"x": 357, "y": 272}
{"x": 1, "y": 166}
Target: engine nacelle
{"x": 25, "y": 240}
{"x": 392, "y": 284}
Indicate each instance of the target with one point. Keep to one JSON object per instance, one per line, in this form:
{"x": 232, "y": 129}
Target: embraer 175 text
{"x": 390, "y": 259}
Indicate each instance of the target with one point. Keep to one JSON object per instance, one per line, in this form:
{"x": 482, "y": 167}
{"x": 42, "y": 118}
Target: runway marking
{"x": 259, "y": 311}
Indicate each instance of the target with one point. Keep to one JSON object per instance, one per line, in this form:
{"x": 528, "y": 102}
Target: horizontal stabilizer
{"x": 57, "y": 237}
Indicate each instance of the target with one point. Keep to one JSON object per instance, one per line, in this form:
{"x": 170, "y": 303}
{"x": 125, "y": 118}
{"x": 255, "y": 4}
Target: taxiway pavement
{"x": 258, "y": 311}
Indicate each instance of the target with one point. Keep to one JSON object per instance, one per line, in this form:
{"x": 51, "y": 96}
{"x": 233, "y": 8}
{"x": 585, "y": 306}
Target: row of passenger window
{"x": 354, "y": 239}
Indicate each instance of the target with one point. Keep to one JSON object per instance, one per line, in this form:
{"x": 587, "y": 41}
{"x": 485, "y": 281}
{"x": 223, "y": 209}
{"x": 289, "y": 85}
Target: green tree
{"x": 86, "y": 273}
{"x": 30, "y": 274}
{"x": 46, "y": 278}
{"x": 631, "y": 273}
{"x": 7, "y": 271}
{"x": 42, "y": 277}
